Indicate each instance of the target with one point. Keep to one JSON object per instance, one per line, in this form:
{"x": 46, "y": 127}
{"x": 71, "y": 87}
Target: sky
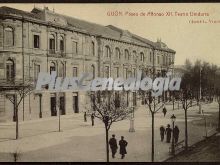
{"x": 190, "y": 40}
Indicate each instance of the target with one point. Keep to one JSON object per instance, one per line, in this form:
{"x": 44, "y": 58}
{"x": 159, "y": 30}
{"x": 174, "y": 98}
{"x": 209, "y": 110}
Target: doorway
{"x": 75, "y": 103}
{"x": 53, "y": 106}
{"x": 62, "y": 105}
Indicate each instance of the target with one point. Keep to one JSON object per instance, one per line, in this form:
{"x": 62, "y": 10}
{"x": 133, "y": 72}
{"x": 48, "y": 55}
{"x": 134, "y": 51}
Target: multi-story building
{"x": 45, "y": 41}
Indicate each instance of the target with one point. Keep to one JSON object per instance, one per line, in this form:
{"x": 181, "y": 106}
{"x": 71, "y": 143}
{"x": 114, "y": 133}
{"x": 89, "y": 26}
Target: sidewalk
{"x": 79, "y": 141}
{"x": 205, "y": 151}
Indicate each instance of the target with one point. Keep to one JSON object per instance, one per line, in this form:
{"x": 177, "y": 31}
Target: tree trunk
{"x": 152, "y": 151}
{"x": 16, "y": 116}
{"x": 107, "y": 146}
{"x": 186, "y": 131}
{"x": 17, "y": 123}
{"x": 219, "y": 117}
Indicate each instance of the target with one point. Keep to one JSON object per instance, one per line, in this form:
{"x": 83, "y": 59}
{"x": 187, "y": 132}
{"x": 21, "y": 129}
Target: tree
{"x": 217, "y": 93}
{"x": 186, "y": 104}
{"x": 17, "y": 91}
{"x": 109, "y": 108}
{"x": 154, "y": 105}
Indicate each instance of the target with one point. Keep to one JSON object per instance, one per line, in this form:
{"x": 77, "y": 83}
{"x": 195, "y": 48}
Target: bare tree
{"x": 109, "y": 108}
{"x": 154, "y": 105}
{"x": 16, "y": 92}
{"x": 218, "y": 101}
{"x": 186, "y": 99}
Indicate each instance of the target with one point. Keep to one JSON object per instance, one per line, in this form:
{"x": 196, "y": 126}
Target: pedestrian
{"x": 168, "y": 133}
{"x": 92, "y": 118}
{"x": 123, "y": 144}
{"x": 162, "y": 131}
{"x": 113, "y": 145}
{"x": 176, "y": 132}
{"x": 85, "y": 119}
{"x": 164, "y": 111}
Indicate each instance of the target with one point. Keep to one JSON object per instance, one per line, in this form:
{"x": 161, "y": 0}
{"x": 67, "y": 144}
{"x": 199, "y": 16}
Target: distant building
{"x": 45, "y": 41}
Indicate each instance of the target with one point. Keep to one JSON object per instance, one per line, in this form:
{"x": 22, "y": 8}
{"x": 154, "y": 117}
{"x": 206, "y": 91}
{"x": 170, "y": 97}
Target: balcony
{"x": 51, "y": 51}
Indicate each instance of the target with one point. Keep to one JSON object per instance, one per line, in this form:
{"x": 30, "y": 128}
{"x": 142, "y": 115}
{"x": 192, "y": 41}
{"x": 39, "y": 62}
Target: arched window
{"x": 134, "y": 55}
{"x": 61, "y": 41}
{"x": 142, "y": 56}
{"x": 10, "y": 70}
{"x": 93, "y": 48}
{"x": 9, "y": 36}
{"x": 36, "y": 71}
{"x": 93, "y": 71}
{"x": 62, "y": 70}
{"x": 151, "y": 57}
{"x": 164, "y": 59}
{"x": 107, "y": 51}
{"x": 52, "y": 44}
{"x": 126, "y": 54}
{"x": 52, "y": 67}
{"x": 117, "y": 53}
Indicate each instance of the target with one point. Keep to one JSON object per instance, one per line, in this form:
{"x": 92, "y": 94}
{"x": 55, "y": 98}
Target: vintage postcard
{"x": 109, "y": 82}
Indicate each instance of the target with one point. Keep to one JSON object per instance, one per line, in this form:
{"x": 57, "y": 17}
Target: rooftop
{"x": 109, "y": 31}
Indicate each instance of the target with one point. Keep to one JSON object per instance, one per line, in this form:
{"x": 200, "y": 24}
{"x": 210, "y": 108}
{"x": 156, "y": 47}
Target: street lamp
{"x": 132, "y": 121}
{"x": 173, "y": 118}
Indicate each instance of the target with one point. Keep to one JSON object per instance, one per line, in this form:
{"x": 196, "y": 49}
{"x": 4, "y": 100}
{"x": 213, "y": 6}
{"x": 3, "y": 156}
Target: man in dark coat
{"x": 123, "y": 144}
{"x": 168, "y": 133}
{"x": 113, "y": 145}
{"x": 92, "y": 118}
{"x": 162, "y": 131}
{"x": 176, "y": 132}
{"x": 85, "y": 120}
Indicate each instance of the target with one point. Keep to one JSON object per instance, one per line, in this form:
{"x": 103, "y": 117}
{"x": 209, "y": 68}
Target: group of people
{"x": 113, "y": 145}
{"x": 168, "y": 131}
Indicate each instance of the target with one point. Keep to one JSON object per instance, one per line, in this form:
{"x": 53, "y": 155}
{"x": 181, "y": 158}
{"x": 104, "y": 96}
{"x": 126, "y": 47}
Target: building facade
{"x": 44, "y": 41}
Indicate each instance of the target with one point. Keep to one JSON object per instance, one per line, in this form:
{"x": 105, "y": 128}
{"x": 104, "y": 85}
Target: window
{"x": 93, "y": 48}
{"x": 93, "y": 71}
{"x": 52, "y": 67}
{"x": 75, "y": 47}
{"x": 36, "y": 41}
{"x": 164, "y": 59}
{"x": 75, "y": 72}
{"x": 142, "y": 56}
{"x": 107, "y": 52}
{"x": 158, "y": 60}
{"x": 62, "y": 70}
{"x": 134, "y": 55}
{"x": 117, "y": 53}
{"x": 107, "y": 72}
{"x": 125, "y": 72}
{"x": 52, "y": 44}
{"x": 116, "y": 72}
{"x": 9, "y": 36}
{"x": 170, "y": 60}
{"x": 36, "y": 71}
{"x": 134, "y": 72}
{"x": 126, "y": 54}
{"x": 151, "y": 57}
{"x": 61, "y": 44}
{"x": 10, "y": 70}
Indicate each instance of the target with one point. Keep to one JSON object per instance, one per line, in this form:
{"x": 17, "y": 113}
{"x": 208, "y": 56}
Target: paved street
{"x": 79, "y": 141}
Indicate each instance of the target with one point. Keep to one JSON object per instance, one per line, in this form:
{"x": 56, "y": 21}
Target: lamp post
{"x": 173, "y": 118}
{"x": 131, "y": 129}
